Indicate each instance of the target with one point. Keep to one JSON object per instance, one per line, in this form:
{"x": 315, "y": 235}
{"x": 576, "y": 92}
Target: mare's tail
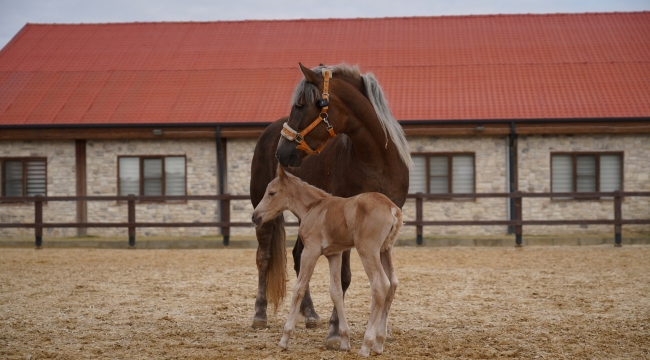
{"x": 276, "y": 276}
{"x": 394, "y": 230}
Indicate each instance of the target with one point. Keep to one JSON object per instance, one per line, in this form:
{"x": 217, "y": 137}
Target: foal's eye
{"x": 271, "y": 193}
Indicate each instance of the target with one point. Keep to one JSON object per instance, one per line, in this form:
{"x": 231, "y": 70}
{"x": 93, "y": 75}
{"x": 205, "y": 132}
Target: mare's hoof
{"x": 259, "y": 324}
{"x": 312, "y": 323}
{"x": 333, "y": 343}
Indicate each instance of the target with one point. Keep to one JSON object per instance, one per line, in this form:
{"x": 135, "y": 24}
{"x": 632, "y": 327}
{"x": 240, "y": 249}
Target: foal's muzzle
{"x": 256, "y": 219}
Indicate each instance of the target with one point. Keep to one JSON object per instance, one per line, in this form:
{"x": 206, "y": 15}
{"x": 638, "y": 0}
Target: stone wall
{"x": 101, "y": 159}
{"x": 61, "y": 180}
{"x": 240, "y": 156}
{"x": 491, "y": 176}
{"x": 534, "y": 154}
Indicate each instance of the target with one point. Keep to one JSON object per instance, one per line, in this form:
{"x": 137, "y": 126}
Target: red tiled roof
{"x": 431, "y": 68}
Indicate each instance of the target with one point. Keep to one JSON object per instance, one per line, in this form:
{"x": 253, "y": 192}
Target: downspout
{"x": 220, "y": 171}
{"x": 512, "y": 148}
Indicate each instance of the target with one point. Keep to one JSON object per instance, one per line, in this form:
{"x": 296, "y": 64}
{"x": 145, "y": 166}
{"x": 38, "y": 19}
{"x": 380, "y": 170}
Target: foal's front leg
{"x": 333, "y": 338}
{"x": 336, "y": 292}
{"x": 307, "y": 264}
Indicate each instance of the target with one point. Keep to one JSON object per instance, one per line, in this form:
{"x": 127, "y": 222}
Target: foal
{"x": 330, "y": 225}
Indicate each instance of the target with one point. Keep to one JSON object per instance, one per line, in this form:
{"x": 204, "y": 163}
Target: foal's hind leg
{"x": 333, "y": 338}
{"x": 387, "y": 264}
{"x": 306, "y": 306}
{"x": 307, "y": 264}
{"x": 379, "y": 287}
{"x": 336, "y": 292}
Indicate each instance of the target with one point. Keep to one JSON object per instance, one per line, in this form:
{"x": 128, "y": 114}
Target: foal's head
{"x": 276, "y": 198}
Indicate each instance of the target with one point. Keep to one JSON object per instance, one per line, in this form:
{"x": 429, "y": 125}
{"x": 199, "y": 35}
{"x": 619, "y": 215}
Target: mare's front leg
{"x": 307, "y": 264}
{"x": 306, "y": 306}
{"x": 336, "y": 292}
{"x": 264, "y": 234}
{"x": 334, "y": 338}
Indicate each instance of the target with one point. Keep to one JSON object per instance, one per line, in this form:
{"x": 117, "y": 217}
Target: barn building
{"x": 498, "y": 103}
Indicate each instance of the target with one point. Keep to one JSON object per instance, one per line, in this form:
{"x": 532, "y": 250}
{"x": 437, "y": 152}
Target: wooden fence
{"x": 518, "y": 222}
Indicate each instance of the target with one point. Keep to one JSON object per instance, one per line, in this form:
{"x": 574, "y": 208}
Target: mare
{"x": 330, "y": 225}
{"x": 368, "y": 154}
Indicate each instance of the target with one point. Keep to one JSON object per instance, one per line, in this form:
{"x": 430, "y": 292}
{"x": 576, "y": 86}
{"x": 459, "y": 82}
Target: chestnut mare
{"x": 330, "y": 225}
{"x": 369, "y": 153}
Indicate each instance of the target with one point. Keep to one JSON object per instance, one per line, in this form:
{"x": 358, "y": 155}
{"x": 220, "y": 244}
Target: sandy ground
{"x": 535, "y": 302}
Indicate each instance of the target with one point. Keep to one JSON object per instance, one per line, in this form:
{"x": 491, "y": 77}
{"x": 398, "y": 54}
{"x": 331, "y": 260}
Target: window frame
{"x": 24, "y": 160}
{"x": 574, "y": 176}
{"x": 141, "y": 159}
{"x": 450, "y": 175}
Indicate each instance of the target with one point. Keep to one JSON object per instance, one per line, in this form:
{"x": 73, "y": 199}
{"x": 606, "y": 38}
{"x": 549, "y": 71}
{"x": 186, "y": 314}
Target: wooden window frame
{"x": 141, "y": 159}
{"x": 450, "y": 173}
{"x": 574, "y": 164}
{"x": 24, "y": 161}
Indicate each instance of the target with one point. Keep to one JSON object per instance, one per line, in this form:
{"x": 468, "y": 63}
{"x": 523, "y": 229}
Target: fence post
{"x": 38, "y": 221}
{"x": 131, "y": 219}
{"x": 617, "y": 218}
{"x": 518, "y": 217}
{"x": 418, "y": 217}
{"x": 225, "y": 230}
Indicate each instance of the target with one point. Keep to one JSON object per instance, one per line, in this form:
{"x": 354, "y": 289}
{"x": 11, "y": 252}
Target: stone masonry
{"x": 61, "y": 177}
{"x": 534, "y": 154}
{"x": 491, "y": 176}
{"x": 101, "y": 159}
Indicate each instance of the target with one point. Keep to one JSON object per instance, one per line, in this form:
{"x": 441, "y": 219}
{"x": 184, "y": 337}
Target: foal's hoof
{"x": 333, "y": 343}
{"x": 259, "y": 324}
{"x": 364, "y": 352}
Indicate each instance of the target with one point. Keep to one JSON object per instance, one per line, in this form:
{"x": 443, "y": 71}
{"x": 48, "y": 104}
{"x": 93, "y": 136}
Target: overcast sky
{"x": 14, "y": 14}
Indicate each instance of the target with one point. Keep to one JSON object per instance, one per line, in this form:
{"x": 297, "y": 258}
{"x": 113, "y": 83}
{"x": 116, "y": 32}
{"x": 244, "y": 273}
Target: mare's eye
{"x": 299, "y": 106}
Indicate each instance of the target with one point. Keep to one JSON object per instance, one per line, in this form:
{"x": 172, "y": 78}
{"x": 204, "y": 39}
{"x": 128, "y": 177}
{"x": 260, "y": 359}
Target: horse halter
{"x": 292, "y": 135}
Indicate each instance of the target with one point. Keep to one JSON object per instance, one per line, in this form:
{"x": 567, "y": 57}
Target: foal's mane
{"x": 306, "y": 187}
{"x": 310, "y": 93}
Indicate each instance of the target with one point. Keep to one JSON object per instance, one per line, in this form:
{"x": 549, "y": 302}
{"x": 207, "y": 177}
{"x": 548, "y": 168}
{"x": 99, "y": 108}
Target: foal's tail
{"x": 394, "y": 230}
{"x": 276, "y": 276}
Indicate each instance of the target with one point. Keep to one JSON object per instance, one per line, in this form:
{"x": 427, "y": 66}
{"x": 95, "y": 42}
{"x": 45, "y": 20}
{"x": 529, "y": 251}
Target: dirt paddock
{"x": 535, "y": 302}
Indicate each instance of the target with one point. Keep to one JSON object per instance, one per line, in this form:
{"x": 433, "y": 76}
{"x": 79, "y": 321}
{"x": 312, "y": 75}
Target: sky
{"x": 14, "y": 14}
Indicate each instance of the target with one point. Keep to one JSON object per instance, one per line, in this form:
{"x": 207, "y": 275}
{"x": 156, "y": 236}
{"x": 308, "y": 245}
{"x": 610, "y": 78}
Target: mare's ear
{"x": 281, "y": 174}
{"x": 310, "y": 76}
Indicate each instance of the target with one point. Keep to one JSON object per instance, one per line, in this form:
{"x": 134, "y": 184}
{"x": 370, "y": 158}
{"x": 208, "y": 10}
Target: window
{"x": 442, "y": 173}
{"x": 23, "y": 176}
{"x": 151, "y": 175}
{"x": 586, "y": 172}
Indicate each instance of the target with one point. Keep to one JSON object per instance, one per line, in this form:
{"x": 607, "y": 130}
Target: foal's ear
{"x": 281, "y": 174}
{"x": 311, "y": 76}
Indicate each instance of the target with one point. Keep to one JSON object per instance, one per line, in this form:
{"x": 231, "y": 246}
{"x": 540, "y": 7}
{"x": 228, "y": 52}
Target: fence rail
{"x": 419, "y": 223}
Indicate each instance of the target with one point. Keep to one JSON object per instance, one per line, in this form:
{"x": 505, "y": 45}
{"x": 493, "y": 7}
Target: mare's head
{"x": 309, "y": 104}
{"x": 276, "y": 198}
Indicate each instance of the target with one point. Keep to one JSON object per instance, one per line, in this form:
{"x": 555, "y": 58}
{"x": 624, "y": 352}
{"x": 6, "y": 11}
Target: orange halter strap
{"x": 292, "y": 135}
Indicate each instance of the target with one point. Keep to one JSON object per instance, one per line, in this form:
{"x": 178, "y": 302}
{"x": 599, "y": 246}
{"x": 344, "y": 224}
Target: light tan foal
{"x": 330, "y": 225}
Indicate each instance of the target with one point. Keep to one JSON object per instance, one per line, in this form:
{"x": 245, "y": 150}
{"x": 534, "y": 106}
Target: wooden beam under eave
{"x": 583, "y": 128}
{"x": 457, "y": 130}
{"x": 114, "y": 133}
